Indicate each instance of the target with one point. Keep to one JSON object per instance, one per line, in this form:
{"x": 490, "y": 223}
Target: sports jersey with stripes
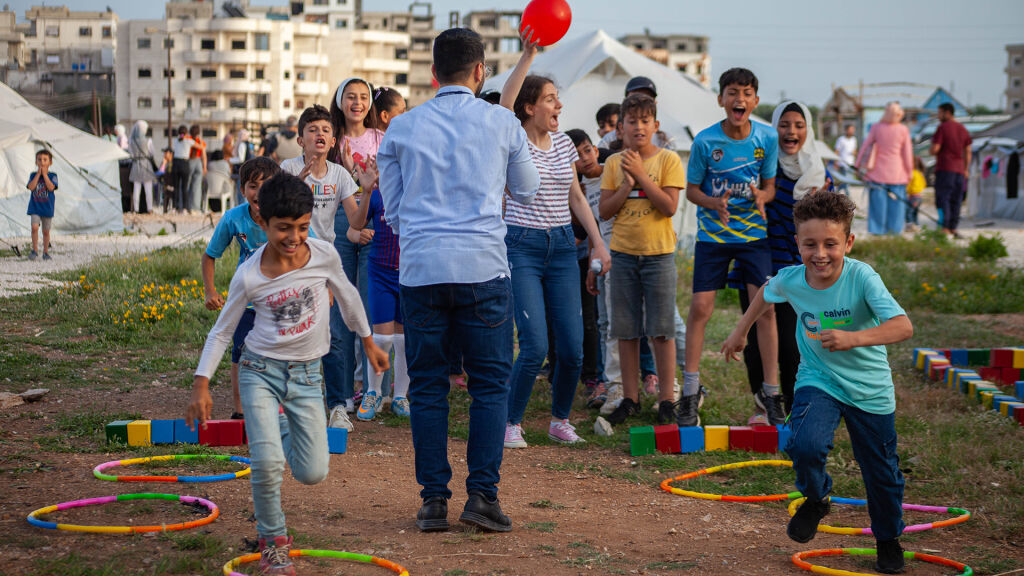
{"x": 384, "y": 248}
{"x": 719, "y": 164}
{"x": 550, "y": 209}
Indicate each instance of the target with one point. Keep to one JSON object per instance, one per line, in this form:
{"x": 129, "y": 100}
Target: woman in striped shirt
{"x": 542, "y": 256}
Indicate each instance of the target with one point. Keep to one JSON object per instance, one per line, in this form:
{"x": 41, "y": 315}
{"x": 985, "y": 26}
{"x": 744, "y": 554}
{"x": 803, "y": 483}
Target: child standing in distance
{"x": 388, "y": 103}
{"x": 640, "y": 188}
{"x": 238, "y": 224}
{"x": 847, "y": 318}
{"x": 182, "y": 147}
{"x": 915, "y": 187}
{"x": 731, "y": 176}
{"x": 41, "y": 202}
{"x": 289, "y": 281}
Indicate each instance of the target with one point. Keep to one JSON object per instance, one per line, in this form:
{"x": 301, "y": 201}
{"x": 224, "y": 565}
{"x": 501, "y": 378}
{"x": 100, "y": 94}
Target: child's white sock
{"x": 383, "y": 341}
{"x": 691, "y": 383}
{"x": 400, "y": 385}
{"x": 770, "y": 390}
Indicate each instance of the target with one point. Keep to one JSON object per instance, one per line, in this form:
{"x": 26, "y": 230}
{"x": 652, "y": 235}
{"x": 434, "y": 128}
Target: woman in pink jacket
{"x": 887, "y": 160}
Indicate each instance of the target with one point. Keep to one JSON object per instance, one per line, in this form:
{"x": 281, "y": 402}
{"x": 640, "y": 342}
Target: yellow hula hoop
{"x": 666, "y": 484}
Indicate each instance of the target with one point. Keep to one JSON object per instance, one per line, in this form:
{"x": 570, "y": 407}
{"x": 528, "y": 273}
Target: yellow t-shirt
{"x": 917, "y": 183}
{"x": 641, "y": 229}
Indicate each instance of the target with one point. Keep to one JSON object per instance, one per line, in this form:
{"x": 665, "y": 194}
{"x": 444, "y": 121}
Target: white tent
{"x": 89, "y": 191}
{"x": 994, "y": 185}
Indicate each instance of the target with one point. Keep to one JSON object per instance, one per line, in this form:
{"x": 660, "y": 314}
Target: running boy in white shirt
{"x": 289, "y": 281}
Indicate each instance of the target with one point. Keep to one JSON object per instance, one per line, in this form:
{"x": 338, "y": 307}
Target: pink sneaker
{"x": 514, "y": 436}
{"x": 651, "y": 384}
{"x": 564, "y": 433}
{"x": 274, "y": 560}
{"x": 760, "y": 418}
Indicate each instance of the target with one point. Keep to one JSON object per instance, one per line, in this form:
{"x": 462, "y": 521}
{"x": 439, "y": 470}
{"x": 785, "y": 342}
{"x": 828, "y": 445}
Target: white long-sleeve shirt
{"x": 292, "y": 310}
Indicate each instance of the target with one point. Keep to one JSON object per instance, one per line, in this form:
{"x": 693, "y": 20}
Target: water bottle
{"x": 595, "y": 266}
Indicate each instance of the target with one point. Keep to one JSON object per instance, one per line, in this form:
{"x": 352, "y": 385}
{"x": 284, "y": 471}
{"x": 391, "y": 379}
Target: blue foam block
{"x": 1018, "y": 390}
{"x": 964, "y": 382}
{"x": 784, "y": 433}
{"x": 161, "y": 431}
{"x": 958, "y": 357}
{"x": 997, "y": 400}
{"x": 691, "y": 439}
{"x": 182, "y": 434}
{"x": 337, "y": 440}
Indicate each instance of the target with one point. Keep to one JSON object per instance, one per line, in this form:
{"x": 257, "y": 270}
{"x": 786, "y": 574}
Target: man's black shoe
{"x": 803, "y": 526}
{"x": 484, "y": 514}
{"x": 890, "y": 557}
{"x": 433, "y": 515}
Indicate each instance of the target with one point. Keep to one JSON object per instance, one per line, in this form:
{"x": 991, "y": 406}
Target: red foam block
{"x": 223, "y": 433}
{"x": 766, "y": 439}
{"x": 1001, "y": 357}
{"x": 1010, "y": 375}
{"x": 990, "y": 373}
{"x": 1019, "y": 413}
{"x": 741, "y": 438}
{"x": 666, "y": 439}
{"x": 938, "y": 372}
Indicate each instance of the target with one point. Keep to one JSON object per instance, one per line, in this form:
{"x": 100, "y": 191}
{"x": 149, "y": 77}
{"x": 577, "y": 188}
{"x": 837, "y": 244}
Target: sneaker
{"x": 369, "y": 407}
{"x": 514, "y": 436}
{"x": 32, "y": 255}
{"x": 339, "y": 418}
{"x": 758, "y": 419}
{"x": 651, "y": 384}
{"x": 564, "y": 433}
{"x": 688, "y": 407}
{"x": 612, "y": 399}
{"x": 46, "y": 256}
{"x": 274, "y": 560}
{"x": 803, "y": 526}
{"x": 237, "y": 416}
{"x": 400, "y": 407}
{"x": 774, "y": 407}
{"x": 666, "y": 412}
{"x": 890, "y": 557}
{"x": 626, "y": 409}
{"x": 598, "y": 396}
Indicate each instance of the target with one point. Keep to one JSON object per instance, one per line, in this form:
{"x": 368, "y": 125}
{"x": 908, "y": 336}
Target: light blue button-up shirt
{"x": 444, "y": 167}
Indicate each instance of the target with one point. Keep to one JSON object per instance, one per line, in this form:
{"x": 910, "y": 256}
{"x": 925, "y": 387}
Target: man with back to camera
{"x": 444, "y": 167}
{"x": 951, "y": 146}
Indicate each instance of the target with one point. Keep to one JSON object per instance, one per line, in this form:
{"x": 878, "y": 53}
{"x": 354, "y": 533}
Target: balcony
{"x": 308, "y": 88}
{"x": 381, "y": 65}
{"x": 227, "y": 57}
{"x": 227, "y": 85}
{"x": 311, "y": 59}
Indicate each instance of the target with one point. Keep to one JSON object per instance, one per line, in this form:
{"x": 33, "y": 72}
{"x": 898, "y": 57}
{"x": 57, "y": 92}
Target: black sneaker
{"x": 890, "y": 557}
{"x": 628, "y": 408}
{"x": 803, "y": 526}
{"x": 687, "y": 408}
{"x": 774, "y": 407}
{"x": 433, "y": 515}
{"x": 485, "y": 514}
{"x": 666, "y": 412}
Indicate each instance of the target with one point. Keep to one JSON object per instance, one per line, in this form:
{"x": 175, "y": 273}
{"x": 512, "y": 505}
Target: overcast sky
{"x": 800, "y": 50}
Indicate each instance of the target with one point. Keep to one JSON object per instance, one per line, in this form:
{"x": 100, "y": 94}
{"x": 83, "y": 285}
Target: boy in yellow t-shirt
{"x": 914, "y": 189}
{"x": 640, "y": 189}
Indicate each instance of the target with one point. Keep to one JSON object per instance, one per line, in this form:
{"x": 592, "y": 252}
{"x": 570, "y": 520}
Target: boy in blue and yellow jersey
{"x": 730, "y": 177}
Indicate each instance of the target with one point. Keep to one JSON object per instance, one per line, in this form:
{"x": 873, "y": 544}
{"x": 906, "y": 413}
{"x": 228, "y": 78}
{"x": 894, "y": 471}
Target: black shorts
{"x": 711, "y": 263}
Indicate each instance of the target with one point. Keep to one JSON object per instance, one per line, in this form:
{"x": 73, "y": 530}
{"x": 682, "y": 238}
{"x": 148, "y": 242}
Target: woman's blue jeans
{"x": 886, "y": 215}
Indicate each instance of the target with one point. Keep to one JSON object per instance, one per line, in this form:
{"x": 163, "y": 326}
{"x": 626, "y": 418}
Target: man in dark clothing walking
{"x": 951, "y": 146}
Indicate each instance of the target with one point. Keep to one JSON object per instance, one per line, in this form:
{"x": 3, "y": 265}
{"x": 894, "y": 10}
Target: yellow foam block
{"x": 921, "y": 355}
{"x": 138, "y": 433}
{"x": 716, "y": 438}
{"x": 1018, "y": 358}
{"x": 1006, "y": 407}
{"x": 986, "y": 398}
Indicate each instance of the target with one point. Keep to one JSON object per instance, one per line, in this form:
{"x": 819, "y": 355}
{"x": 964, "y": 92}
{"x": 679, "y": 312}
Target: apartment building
{"x": 64, "y": 50}
{"x": 12, "y": 44}
{"x": 418, "y": 25}
{"x": 684, "y": 52}
{"x": 1014, "y": 78}
{"x": 338, "y": 14}
{"x": 500, "y": 32}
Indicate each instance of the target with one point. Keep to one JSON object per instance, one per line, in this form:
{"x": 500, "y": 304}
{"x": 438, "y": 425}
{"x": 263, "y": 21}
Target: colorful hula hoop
{"x": 798, "y": 559}
{"x": 364, "y": 558}
{"x": 34, "y": 520}
{"x": 963, "y": 516}
{"x": 666, "y": 484}
{"x": 98, "y": 471}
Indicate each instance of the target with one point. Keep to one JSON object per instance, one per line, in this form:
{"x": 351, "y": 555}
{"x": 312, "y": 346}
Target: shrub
{"x": 987, "y": 248}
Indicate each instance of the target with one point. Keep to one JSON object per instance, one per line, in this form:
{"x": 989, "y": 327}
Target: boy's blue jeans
{"x": 814, "y": 420}
{"x": 298, "y": 437}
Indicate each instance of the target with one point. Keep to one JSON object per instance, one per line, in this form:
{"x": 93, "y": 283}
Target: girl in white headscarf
{"x": 120, "y": 136}
{"x": 140, "y": 146}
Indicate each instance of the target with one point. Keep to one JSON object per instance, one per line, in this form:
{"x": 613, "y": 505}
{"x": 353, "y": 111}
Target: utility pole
{"x": 167, "y": 44}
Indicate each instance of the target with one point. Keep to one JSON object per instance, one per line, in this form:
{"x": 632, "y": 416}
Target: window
{"x": 261, "y": 41}
{"x": 300, "y": 76}
{"x": 165, "y": 72}
{"x": 207, "y": 73}
{"x": 401, "y": 79}
{"x": 188, "y": 74}
{"x": 511, "y": 20}
{"x": 510, "y": 45}
{"x": 53, "y": 31}
{"x": 262, "y": 102}
{"x": 237, "y": 102}
{"x": 700, "y": 47}
{"x": 238, "y": 44}
{"x": 300, "y": 104}
{"x": 260, "y": 74}
{"x": 84, "y": 31}
{"x": 107, "y": 32}
{"x": 287, "y": 74}
{"x": 287, "y": 45}
{"x": 236, "y": 74}
{"x": 1016, "y": 82}
{"x": 207, "y": 102}
{"x": 209, "y": 133}
{"x": 144, "y": 43}
{"x": 403, "y": 27}
{"x": 681, "y": 47}
{"x": 165, "y": 102}
{"x": 342, "y": 2}
{"x": 168, "y": 43}
{"x": 287, "y": 103}
{"x": 144, "y": 103}
{"x": 188, "y": 103}
{"x": 207, "y": 44}
{"x": 342, "y": 23}
{"x": 401, "y": 53}
{"x": 319, "y": 2}
{"x": 145, "y": 73}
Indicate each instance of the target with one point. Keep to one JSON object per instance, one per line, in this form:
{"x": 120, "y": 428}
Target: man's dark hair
{"x": 258, "y": 168}
{"x": 948, "y": 108}
{"x": 831, "y": 206}
{"x": 312, "y": 114}
{"x": 578, "y": 136}
{"x": 529, "y": 94}
{"x": 605, "y": 113}
{"x": 737, "y": 76}
{"x": 194, "y": 131}
{"x": 639, "y": 104}
{"x": 456, "y": 52}
{"x": 285, "y": 196}
{"x": 44, "y": 152}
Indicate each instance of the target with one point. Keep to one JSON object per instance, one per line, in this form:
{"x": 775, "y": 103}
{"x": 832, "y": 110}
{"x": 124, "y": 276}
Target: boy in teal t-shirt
{"x": 846, "y": 317}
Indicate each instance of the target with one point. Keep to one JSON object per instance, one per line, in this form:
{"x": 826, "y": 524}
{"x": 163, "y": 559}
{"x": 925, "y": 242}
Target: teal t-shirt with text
{"x": 860, "y": 377}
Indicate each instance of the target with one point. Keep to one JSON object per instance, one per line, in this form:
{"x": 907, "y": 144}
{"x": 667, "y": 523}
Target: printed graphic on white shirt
{"x": 294, "y": 310}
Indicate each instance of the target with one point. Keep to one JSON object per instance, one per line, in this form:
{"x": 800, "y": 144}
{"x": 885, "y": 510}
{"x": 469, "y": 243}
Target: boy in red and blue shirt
{"x": 42, "y": 183}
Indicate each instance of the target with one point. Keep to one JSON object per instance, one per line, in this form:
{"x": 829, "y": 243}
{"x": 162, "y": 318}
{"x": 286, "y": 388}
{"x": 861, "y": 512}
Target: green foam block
{"x": 641, "y": 440}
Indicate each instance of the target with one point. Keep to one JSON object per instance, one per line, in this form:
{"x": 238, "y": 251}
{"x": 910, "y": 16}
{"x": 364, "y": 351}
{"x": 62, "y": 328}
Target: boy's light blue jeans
{"x": 298, "y": 437}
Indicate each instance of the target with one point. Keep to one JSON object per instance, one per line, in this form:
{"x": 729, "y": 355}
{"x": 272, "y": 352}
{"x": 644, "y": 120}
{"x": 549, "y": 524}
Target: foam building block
{"x": 161, "y": 431}
{"x": 988, "y": 388}
{"x": 991, "y": 374}
{"x": 666, "y": 439}
{"x": 691, "y": 439}
{"x": 931, "y": 365}
{"x": 1018, "y": 358}
{"x": 785, "y": 432}
{"x": 998, "y": 399}
{"x": 741, "y": 438}
{"x": 223, "y": 433}
{"x": 1018, "y": 389}
{"x": 958, "y": 357}
{"x": 337, "y": 440}
{"x": 716, "y": 438}
{"x": 939, "y": 372}
{"x": 978, "y": 356}
{"x": 1001, "y": 357}
{"x": 1011, "y": 375}
{"x": 641, "y": 440}
{"x": 919, "y": 356}
{"x": 183, "y": 434}
{"x": 1007, "y": 408}
{"x": 987, "y": 396}
{"x": 117, "y": 431}
{"x": 138, "y": 433}
{"x": 963, "y": 378}
{"x": 1018, "y": 414}
{"x": 766, "y": 439}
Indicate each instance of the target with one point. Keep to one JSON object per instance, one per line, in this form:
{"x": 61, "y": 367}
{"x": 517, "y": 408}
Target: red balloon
{"x": 548, "y": 19}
